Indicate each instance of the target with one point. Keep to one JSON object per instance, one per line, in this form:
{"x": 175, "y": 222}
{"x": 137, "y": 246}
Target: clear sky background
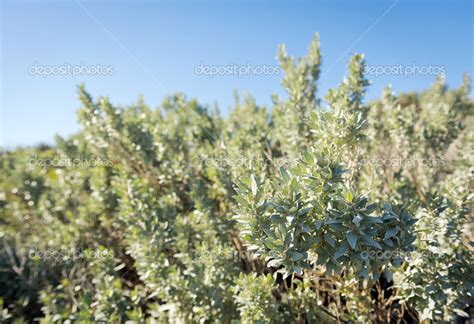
{"x": 155, "y": 46}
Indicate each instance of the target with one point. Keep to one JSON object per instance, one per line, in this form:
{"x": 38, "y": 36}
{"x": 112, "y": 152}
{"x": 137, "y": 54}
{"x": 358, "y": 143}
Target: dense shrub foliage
{"x": 316, "y": 210}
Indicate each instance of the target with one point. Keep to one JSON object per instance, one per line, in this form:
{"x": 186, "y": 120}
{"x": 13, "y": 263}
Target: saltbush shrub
{"x": 314, "y": 210}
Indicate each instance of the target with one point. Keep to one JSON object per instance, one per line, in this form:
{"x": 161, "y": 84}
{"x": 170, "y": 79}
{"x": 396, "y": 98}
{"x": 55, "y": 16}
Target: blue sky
{"x": 153, "y": 49}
